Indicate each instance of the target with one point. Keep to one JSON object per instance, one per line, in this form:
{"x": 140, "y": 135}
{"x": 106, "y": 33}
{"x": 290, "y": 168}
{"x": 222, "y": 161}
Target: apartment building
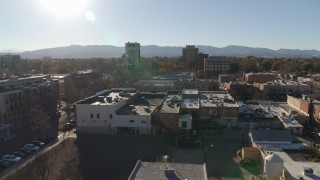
{"x": 19, "y": 95}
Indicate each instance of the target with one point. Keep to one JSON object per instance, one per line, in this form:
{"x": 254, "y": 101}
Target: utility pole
{"x": 241, "y": 137}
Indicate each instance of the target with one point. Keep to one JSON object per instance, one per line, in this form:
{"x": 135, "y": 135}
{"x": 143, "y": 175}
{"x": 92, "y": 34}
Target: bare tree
{"x": 44, "y": 166}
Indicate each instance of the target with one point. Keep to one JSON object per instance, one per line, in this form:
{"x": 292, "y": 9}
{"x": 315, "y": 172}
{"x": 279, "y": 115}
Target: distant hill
{"x": 96, "y": 51}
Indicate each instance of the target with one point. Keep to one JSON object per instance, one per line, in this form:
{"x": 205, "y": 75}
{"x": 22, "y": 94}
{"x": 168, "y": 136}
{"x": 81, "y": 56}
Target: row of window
{"x": 98, "y": 115}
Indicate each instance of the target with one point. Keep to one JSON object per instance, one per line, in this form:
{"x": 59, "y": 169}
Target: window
{"x": 131, "y": 121}
{"x": 91, "y": 115}
{"x": 224, "y": 112}
{"x": 165, "y": 116}
{"x": 110, "y": 115}
{"x": 94, "y": 121}
{"x": 98, "y": 116}
{"x": 143, "y": 121}
{"x": 82, "y": 120}
{"x": 184, "y": 124}
{"x": 235, "y": 112}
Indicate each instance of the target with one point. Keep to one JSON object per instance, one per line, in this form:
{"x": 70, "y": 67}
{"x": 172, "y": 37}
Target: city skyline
{"x": 38, "y": 24}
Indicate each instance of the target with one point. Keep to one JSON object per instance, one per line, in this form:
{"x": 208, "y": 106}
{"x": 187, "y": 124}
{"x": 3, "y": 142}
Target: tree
{"x": 250, "y": 64}
{"x": 306, "y": 66}
{"x": 234, "y": 67}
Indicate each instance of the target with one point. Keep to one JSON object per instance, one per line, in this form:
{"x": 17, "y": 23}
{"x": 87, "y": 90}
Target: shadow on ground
{"x": 114, "y": 157}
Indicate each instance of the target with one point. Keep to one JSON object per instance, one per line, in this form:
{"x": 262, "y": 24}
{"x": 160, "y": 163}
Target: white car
{"x": 11, "y": 158}
{"x": 32, "y": 147}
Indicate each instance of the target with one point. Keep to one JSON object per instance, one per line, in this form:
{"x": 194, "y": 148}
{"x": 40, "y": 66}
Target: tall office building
{"x": 190, "y": 55}
{"x": 133, "y": 53}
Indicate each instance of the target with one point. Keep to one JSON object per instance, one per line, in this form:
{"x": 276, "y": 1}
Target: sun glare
{"x": 63, "y": 8}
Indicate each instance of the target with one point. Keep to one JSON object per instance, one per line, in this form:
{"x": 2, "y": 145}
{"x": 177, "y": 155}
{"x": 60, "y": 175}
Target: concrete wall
{"x": 295, "y": 102}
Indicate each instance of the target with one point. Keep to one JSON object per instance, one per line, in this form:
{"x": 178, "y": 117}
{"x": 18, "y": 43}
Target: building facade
{"x": 133, "y": 54}
{"x": 190, "y": 55}
{"x": 259, "y": 77}
{"x": 217, "y": 65}
{"x": 217, "y": 108}
{"x": 279, "y": 89}
{"x": 240, "y": 90}
{"x": 10, "y": 61}
{"x": 116, "y": 111}
{"x": 82, "y": 84}
{"x": 201, "y": 59}
{"x": 19, "y": 95}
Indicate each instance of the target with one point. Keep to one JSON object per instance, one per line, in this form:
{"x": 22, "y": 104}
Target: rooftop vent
{"x": 307, "y": 171}
{"x": 169, "y": 171}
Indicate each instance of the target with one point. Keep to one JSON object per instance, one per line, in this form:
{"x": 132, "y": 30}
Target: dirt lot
{"x": 113, "y": 157}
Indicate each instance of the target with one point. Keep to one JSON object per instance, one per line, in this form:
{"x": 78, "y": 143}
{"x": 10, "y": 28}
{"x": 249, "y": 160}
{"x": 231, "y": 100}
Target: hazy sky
{"x": 274, "y": 24}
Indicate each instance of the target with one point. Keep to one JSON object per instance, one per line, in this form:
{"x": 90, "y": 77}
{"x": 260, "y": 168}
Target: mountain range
{"x": 102, "y": 51}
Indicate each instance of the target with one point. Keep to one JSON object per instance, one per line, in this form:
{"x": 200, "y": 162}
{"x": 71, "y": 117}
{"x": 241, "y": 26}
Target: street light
{"x": 204, "y": 152}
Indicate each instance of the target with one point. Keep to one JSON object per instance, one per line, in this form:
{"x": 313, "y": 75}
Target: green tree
{"x": 234, "y": 67}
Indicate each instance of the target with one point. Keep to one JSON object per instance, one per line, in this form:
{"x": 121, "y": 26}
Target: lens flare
{"x": 90, "y": 16}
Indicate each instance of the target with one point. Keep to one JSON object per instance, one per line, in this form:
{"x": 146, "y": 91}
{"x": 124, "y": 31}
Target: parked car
{"x": 20, "y": 154}
{"x": 25, "y": 150}
{"x": 68, "y": 127}
{"x": 11, "y": 158}
{"x": 32, "y": 147}
{"x": 71, "y": 121}
{"x": 38, "y": 143}
{"x": 4, "y": 164}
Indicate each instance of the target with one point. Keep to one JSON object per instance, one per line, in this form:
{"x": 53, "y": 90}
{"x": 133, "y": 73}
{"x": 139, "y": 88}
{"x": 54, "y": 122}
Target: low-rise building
{"x": 252, "y": 115}
{"x": 288, "y": 120}
{"x": 161, "y": 170}
{"x": 217, "y": 108}
{"x": 185, "y": 123}
{"x": 82, "y": 84}
{"x": 240, "y": 91}
{"x": 227, "y": 78}
{"x": 279, "y": 89}
{"x": 168, "y": 113}
{"x": 118, "y": 111}
{"x": 259, "y": 77}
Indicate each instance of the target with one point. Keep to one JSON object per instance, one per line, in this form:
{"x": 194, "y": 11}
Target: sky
{"x": 274, "y": 24}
